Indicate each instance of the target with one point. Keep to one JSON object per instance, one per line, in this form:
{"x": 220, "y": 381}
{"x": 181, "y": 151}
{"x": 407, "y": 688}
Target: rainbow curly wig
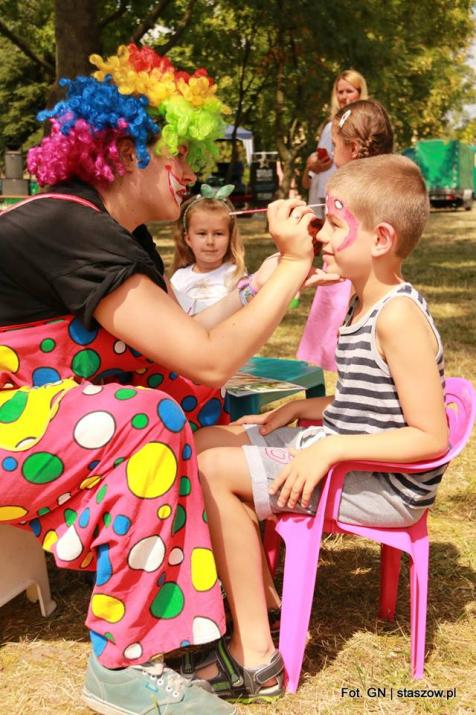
{"x": 135, "y": 93}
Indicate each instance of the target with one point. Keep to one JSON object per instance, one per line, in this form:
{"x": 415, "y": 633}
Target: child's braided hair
{"x": 366, "y": 122}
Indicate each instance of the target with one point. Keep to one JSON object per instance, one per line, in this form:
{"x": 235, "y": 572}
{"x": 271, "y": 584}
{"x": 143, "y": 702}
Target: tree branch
{"x": 173, "y": 39}
{"x": 41, "y": 61}
{"x": 114, "y": 15}
{"x": 149, "y": 21}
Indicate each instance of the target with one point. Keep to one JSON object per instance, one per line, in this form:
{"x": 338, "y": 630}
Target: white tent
{"x": 245, "y": 136}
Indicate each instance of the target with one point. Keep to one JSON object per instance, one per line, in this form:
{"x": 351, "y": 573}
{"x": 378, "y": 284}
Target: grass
{"x": 42, "y": 661}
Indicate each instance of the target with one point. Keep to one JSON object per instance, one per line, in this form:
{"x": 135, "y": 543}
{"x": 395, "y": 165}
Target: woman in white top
{"x": 349, "y": 86}
{"x": 209, "y": 252}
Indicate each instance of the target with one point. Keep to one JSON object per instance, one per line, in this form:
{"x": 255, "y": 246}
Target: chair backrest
{"x": 460, "y": 400}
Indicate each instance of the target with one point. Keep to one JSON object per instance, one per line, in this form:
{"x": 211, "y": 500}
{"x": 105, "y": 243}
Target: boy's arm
{"x": 409, "y": 347}
{"x": 308, "y": 409}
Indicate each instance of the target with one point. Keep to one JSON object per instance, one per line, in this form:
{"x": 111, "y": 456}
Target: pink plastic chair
{"x": 302, "y": 535}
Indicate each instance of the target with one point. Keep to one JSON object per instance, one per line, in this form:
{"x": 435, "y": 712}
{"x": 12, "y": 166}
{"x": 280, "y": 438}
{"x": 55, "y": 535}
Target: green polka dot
{"x": 44, "y": 510}
{"x": 47, "y": 345}
{"x": 85, "y": 363}
{"x": 42, "y": 467}
{"x": 140, "y": 421}
{"x": 96, "y": 531}
{"x": 107, "y": 519}
{"x": 101, "y": 494}
{"x": 193, "y": 426}
{"x": 70, "y": 516}
{"x": 12, "y": 409}
{"x": 205, "y": 517}
{"x": 109, "y": 637}
{"x": 185, "y": 487}
{"x": 125, "y": 393}
{"x": 179, "y": 519}
{"x": 155, "y": 380}
{"x": 118, "y": 461}
{"x": 169, "y": 601}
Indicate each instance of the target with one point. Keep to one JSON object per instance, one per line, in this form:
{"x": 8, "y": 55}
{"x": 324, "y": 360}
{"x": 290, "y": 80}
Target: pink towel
{"x": 319, "y": 338}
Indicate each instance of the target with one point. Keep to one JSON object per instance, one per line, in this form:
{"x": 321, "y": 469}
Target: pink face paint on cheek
{"x": 337, "y": 208}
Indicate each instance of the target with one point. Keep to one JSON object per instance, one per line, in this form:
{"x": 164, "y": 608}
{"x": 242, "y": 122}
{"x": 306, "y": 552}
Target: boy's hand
{"x": 269, "y": 421}
{"x": 300, "y": 477}
{"x": 289, "y": 220}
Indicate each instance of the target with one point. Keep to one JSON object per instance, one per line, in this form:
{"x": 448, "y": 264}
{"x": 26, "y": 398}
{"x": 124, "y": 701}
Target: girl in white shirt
{"x": 209, "y": 251}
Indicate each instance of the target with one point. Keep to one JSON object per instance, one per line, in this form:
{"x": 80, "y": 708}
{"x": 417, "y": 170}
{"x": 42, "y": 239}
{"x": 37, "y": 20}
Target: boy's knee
{"x": 205, "y": 438}
{"x": 211, "y": 463}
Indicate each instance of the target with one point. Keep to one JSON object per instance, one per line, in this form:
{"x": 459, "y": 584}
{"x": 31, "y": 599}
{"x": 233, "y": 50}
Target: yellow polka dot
{"x": 87, "y": 560}
{"x": 152, "y": 470}
{"x": 164, "y": 512}
{"x": 8, "y": 359}
{"x": 141, "y": 370}
{"x": 108, "y": 608}
{"x": 8, "y": 513}
{"x": 204, "y": 573}
{"x": 90, "y": 482}
{"x": 51, "y": 537}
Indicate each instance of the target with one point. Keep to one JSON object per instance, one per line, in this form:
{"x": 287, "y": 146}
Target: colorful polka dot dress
{"x": 97, "y": 459}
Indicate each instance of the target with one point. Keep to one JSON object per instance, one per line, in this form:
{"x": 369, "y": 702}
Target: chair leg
{"x": 389, "y": 576}
{"x": 271, "y": 544}
{"x": 298, "y": 591}
{"x": 418, "y": 605}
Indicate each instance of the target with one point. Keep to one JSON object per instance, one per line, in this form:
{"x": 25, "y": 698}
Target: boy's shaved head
{"x": 387, "y": 188}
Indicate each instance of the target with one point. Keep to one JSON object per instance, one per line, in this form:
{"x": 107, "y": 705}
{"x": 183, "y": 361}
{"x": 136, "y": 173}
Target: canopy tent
{"x": 245, "y": 136}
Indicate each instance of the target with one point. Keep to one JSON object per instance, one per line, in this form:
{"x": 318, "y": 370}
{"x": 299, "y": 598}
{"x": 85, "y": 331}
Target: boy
{"x": 389, "y": 406}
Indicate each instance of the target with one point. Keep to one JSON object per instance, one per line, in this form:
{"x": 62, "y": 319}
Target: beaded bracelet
{"x": 246, "y": 291}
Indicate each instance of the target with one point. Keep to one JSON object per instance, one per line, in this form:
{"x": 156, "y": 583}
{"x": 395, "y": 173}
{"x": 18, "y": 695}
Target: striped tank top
{"x": 366, "y": 400}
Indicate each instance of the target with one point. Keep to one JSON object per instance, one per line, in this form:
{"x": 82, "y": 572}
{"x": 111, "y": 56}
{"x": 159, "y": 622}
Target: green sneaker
{"x": 147, "y": 690}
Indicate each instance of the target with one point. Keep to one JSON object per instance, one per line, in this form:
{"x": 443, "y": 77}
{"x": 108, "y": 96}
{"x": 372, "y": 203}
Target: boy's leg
{"x": 236, "y": 436}
{"x": 227, "y": 488}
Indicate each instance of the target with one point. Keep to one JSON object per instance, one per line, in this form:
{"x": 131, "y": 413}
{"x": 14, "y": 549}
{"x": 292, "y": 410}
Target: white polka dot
{"x": 92, "y": 389}
{"x": 148, "y": 554}
{"x": 176, "y": 557}
{"x": 69, "y": 546}
{"x": 223, "y": 392}
{"x": 133, "y": 651}
{"x": 63, "y": 498}
{"x": 26, "y": 443}
{"x": 204, "y": 630}
{"x": 94, "y": 430}
{"x": 119, "y": 347}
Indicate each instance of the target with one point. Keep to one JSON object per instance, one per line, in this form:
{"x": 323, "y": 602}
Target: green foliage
{"x": 275, "y": 61}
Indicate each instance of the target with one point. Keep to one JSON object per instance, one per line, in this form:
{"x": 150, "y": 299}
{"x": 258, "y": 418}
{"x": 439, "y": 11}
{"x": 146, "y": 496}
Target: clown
{"x": 103, "y": 378}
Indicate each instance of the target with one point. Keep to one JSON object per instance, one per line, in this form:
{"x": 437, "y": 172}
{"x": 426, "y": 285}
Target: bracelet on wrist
{"x": 246, "y": 290}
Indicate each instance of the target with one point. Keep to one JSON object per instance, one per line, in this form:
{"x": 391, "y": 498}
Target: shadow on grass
{"x": 345, "y": 603}
{"x": 347, "y": 597}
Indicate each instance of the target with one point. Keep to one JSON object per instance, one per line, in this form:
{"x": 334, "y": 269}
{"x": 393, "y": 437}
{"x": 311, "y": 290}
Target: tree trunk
{"x": 77, "y": 36}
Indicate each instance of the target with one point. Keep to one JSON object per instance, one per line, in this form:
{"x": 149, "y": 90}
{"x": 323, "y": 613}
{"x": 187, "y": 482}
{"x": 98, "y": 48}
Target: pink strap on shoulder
{"x": 61, "y": 197}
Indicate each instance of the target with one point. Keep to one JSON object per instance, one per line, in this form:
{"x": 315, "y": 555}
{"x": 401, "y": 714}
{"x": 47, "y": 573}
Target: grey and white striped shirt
{"x": 366, "y": 399}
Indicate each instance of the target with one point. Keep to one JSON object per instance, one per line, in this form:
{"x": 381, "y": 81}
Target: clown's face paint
{"x": 161, "y": 187}
{"x": 176, "y": 188}
{"x": 335, "y": 207}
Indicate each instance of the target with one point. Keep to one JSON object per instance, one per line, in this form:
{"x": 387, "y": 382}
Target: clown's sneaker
{"x": 147, "y": 689}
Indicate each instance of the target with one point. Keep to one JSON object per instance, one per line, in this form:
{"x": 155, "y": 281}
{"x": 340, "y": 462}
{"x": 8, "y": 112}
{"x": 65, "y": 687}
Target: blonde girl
{"x": 348, "y": 86}
{"x": 209, "y": 252}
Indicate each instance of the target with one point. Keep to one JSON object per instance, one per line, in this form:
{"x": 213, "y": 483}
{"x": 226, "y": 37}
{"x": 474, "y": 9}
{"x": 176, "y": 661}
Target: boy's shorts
{"x": 366, "y": 499}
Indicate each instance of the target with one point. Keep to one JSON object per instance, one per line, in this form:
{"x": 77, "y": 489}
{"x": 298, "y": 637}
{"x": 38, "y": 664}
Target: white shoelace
{"x": 163, "y": 677}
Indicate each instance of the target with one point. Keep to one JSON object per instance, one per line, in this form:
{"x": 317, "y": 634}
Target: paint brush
{"x": 257, "y": 211}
